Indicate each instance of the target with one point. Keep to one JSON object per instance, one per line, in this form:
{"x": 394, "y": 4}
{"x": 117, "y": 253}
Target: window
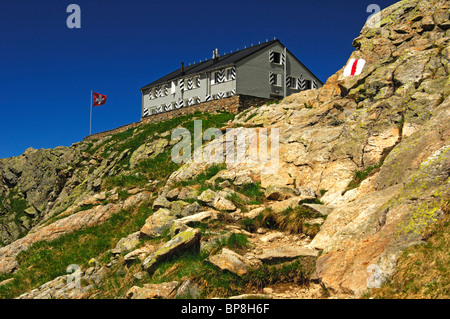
{"x": 163, "y": 90}
{"x": 218, "y": 77}
{"x": 214, "y": 77}
{"x": 277, "y": 57}
{"x": 308, "y": 84}
{"x": 277, "y": 80}
{"x": 293, "y": 83}
{"x": 229, "y": 74}
{"x": 196, "y": 81}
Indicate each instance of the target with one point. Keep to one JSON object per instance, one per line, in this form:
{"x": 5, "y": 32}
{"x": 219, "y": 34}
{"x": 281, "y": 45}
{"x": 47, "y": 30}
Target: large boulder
{"x": 126, "y": 244}
{"x": 217, "y": 201}
{"x": 228, "y": 260}
{"x": 148, "y": 150}
{"x": 285, "y": 253}
{"x": 274, "y": 192}
{"x": 186, "y": 240}
{"x": 152, "y": 291}
{"x": 157, "y": 223}
{"x": 83, "y": 219}
{"x": 161, "y": 202}
{"x": 188, "y": 290}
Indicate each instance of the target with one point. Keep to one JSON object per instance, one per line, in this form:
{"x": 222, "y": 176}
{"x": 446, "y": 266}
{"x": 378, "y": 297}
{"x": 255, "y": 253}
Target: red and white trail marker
{"x": 354, "y": 67}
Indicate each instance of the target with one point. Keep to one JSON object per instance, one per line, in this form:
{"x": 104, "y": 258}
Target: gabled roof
{"x": 211, "y": 64}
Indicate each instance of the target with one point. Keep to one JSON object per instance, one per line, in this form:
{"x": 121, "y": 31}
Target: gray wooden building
{"x": 267, "y": 70}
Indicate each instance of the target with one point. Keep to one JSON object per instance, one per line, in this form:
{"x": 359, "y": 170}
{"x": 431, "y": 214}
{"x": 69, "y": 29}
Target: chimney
{"x": 182, "y": 68}
{"x": 216, "y": 55}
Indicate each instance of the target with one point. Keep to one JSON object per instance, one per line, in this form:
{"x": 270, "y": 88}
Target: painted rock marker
{"x": 354, "y": 67}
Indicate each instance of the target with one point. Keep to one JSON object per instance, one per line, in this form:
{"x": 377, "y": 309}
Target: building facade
{"x": 266, "y": 70}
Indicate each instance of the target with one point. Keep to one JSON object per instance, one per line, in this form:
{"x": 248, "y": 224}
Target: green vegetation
{"x": 16, "y": 205}
{"x": 247, "y": 194}
{"x": 160, "y": 166}
{"x": 251, "y": 116}
{"x": 298, "y": 271}
{"x": 423, "y": 271}
{"x": 243, "y": 114}
{"x": 249, "y": 224}
{"x": 253, "y": 191}
{"x": 126, "y": 181}
{"x": 212, "y": 282}
{"x": 201, "y": 178}
{"x": 132, "y": 138}
{"x": 292, "y": 220}
{"x": 236, "y": 241}
{"x": 191, "y": 265}
{"x": 273, "y": 102}
{"x": 360, "y": 176}
{"x": 46, "y": 260}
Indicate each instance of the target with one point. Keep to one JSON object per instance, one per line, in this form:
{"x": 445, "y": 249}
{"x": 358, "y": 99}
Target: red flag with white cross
{"x": 99, "y": 99}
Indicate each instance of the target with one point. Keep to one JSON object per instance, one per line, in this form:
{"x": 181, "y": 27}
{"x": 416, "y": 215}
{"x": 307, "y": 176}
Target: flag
{"x": 354, "y": 67}
{"x": 99, "y": 99}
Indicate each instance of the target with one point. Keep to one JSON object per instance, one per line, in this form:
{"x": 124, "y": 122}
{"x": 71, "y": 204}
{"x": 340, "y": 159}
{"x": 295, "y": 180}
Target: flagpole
{"x": 90, "y": 121}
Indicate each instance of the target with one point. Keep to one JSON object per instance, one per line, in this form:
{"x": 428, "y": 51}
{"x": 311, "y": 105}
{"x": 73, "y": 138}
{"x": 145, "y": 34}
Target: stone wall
{"x": 233, "y": 104}
{"x": 229, "y": 104}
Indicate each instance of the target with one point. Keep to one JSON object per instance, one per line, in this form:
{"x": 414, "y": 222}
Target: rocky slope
{"x": 363, "y": 171}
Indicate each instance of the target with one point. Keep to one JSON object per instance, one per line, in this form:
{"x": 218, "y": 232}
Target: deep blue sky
{"x": 48, "y": 70}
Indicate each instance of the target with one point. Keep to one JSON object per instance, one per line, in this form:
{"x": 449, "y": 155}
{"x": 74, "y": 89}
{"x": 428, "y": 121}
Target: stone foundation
{"x": 233, "y": 104}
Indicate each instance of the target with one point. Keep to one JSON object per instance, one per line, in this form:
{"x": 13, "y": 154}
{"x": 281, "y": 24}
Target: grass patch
{"x": 132, "y": 138}
{"x": 14, "y": 204}
{"x": 298, "y": 272}
{"x": 253, "y": 191}
{"x": 423, "y": 271}
{"x": 201, "y": 178}
{"x": 125, "y": 181}
{"x": 161, "y": 166}
{"x": 252, "y": 195}
{"x": 237, "y": 241}
{"x": 292, "y": 220}
{"x": 212, "y": 282}
{"x": 242, "y": 114}
{"x": 45, "y": 260}
{"x": 249, "y": 224}
{"x": 251, "y": 116}
{"x": 360, "y": 176}
{"x": 273, "y": 102}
